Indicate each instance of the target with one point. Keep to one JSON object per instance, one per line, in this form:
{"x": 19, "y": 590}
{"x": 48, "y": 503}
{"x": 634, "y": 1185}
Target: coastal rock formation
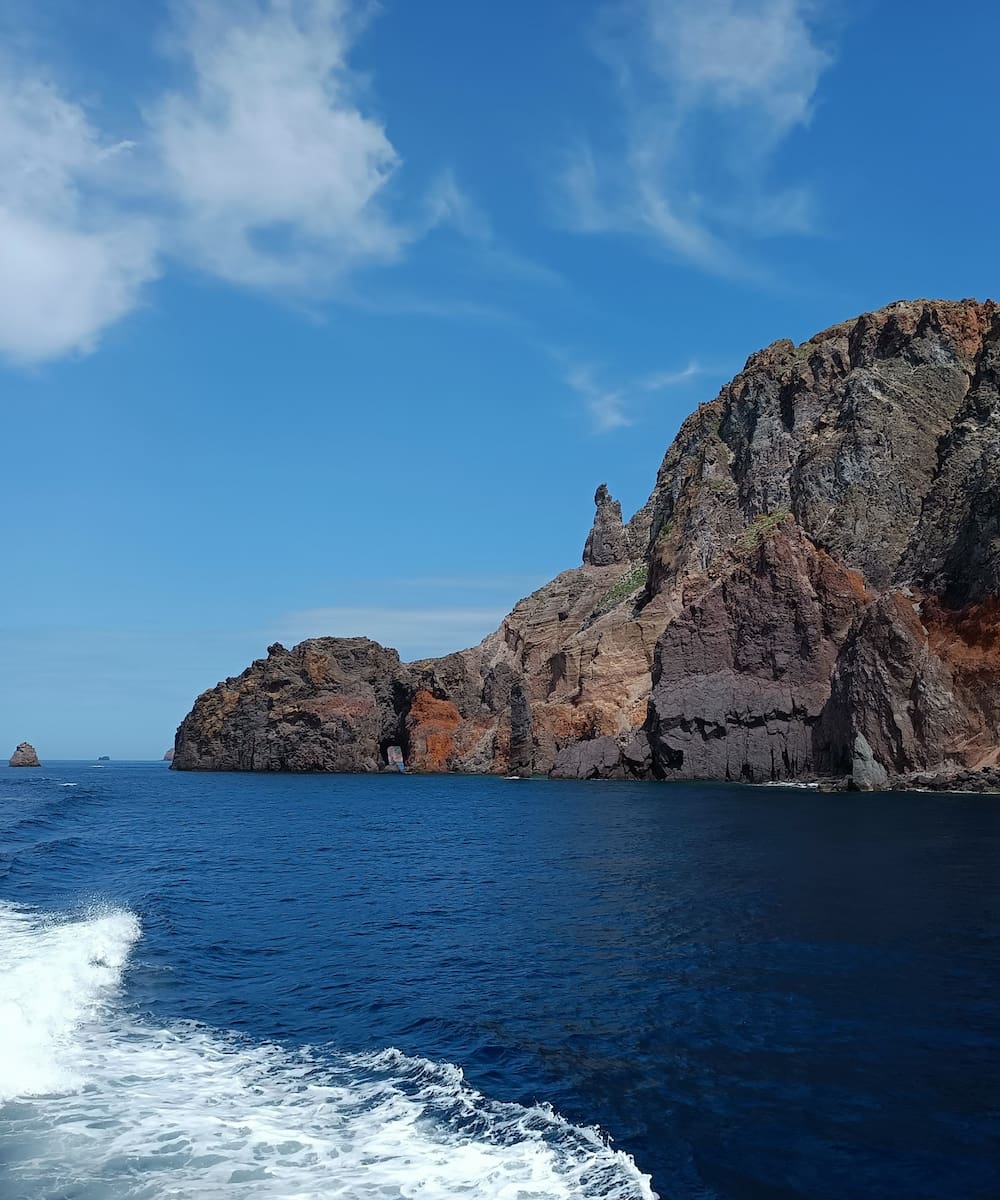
{"x": 24, "y": 756}
{"x": 743, "y": 673}
{"x": 169, "y": 756}
{"x": 811, "y": 589}
{"x": 330, "y": 704}
{"x": 607, "y": 542}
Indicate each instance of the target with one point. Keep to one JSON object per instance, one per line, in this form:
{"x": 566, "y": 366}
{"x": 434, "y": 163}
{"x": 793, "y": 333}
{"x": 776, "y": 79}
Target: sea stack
{"x": 169, "y": 756}
{"x": 24, "y": 756}
{"x": 607, "y": 542}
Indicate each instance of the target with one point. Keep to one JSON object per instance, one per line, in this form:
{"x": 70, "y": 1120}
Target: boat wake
{"x": 110, "y": 1106}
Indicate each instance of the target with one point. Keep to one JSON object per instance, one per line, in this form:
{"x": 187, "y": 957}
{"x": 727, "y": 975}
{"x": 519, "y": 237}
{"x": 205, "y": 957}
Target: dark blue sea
{"x": 246, "y": 986}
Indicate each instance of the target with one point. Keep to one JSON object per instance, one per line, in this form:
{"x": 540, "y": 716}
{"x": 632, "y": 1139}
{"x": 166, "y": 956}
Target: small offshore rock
{"x": 24, "y": 756}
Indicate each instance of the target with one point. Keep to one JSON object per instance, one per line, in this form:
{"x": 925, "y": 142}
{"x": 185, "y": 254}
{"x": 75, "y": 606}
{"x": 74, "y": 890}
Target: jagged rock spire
{"x": 606, "y": 542}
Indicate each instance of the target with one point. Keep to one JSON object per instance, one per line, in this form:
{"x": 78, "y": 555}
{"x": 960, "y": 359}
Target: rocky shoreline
{"x": 812, "y": 590}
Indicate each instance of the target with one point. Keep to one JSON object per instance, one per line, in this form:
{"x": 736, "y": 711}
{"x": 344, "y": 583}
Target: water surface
{"x": 272, "y": 986}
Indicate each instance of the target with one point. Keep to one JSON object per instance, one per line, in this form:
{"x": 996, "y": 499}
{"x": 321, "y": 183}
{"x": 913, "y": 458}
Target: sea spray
{"x": 57, "y": 975}
{"x": 123, "y": 1109}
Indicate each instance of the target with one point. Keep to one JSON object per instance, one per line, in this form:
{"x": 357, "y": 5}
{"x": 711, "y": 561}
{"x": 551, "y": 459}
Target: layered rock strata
{"x": 812, "y": 588}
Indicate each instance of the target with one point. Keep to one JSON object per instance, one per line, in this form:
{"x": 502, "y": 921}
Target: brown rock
{"x": 606, "y": 543}
{"x": 330, "y": 704}
{"x": 24, "y": 756}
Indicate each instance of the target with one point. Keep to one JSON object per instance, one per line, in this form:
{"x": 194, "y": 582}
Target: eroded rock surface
{"x": 329, "y": 704}
{"x": 816, "y": 571}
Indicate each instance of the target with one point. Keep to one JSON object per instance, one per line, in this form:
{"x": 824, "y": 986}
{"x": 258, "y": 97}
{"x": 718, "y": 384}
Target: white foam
{"x": 57, "y": 975}
{"x": 187, "y": 1113}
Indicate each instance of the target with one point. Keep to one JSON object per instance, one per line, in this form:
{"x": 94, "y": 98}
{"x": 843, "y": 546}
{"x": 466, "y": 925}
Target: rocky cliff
{"x": 812, "y": 588}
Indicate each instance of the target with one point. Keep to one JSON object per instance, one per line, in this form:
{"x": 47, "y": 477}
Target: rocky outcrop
{"x": 607, "y": 542}
{"x": 743, "y": 674}
{"x": 330, "y": 704}
{"x": 169, "y": 756}
{"x": 24, "y": 756}
{"x": 867, "y": 773}
{"x": 811, "y": 589}
{"x": 954, "y": 780}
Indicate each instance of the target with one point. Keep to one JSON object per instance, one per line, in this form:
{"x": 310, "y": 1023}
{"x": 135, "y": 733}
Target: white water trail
{"x": 55, "y": 977}
{"x": 102, "y": 1106}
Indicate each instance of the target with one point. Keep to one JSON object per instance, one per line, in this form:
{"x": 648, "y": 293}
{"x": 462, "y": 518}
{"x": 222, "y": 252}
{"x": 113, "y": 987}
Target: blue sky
{"x": 328, "y": 317}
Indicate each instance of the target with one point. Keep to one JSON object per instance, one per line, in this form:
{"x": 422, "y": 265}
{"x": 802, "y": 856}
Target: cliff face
{"x": 812, "y": 587}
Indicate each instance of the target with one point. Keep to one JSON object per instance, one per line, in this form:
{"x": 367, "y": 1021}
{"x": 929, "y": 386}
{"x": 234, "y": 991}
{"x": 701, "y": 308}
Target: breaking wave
{"x": 117, "y": 1108}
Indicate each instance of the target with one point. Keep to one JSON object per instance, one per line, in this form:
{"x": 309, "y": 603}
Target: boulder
{"x": 867, "y": 773}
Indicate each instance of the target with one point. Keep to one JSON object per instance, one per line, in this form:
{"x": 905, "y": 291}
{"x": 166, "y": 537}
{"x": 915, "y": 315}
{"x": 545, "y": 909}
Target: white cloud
{"x": 72, "y": 260}
{"x": 708, "y": 90}
{"x": 259, "y": 166}
{"x": 757, "y": 55}
{"x": 658, "y": 380}
{"x": 449, "y": 205}
{"x": 608, "y": 406}
{"x": 278, "y": 178}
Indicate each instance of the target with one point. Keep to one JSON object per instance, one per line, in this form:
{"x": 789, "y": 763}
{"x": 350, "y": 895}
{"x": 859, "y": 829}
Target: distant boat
{"x": 395, "y": 757}
{"x": 104, "y": 758}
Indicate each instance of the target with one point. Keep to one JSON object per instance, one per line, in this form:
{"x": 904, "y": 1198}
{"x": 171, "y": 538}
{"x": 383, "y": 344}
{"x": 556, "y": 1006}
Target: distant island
{"x": 811, "y": 592}
{"x": 104, "y": 758}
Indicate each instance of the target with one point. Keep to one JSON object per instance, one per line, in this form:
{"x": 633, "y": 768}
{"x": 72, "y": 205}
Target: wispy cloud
{"x": 611, "y": 406}
{"x": 658, "y": 380}
{"x": 707, "y": 92}
{"x": 449, "y": 205}
{"x": 262, "y": 165}
{"x": 276, "y": 175}
{"x": 606, "y": 406}
{"x": 72, "y": 259}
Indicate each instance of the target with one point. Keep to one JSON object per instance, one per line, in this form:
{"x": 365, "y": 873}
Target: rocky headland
{"x": 811, "y": 591}
{"x": 24, "y": 756}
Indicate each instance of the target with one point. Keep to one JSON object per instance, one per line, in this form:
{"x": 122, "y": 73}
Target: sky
{"x": 324, "y": 317}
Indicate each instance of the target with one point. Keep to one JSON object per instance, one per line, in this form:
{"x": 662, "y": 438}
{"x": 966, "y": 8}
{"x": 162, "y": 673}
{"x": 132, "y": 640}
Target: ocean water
{"x": 236, "y": 986}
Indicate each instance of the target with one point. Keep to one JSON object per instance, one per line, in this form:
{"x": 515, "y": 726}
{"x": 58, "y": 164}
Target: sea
{"x": 239, "y": 987}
